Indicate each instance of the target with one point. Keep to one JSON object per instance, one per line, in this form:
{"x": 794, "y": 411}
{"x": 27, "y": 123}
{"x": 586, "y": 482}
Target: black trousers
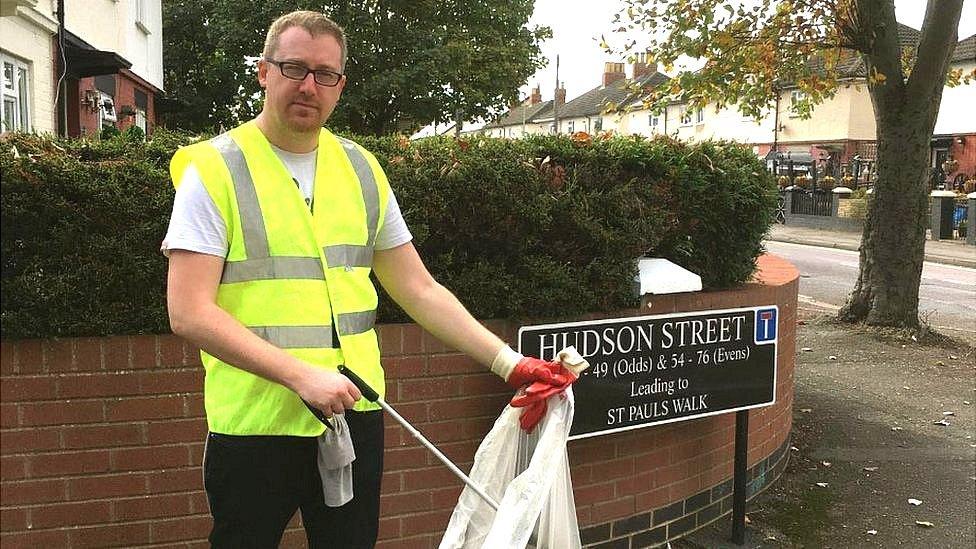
{"x": 256, "y": 483}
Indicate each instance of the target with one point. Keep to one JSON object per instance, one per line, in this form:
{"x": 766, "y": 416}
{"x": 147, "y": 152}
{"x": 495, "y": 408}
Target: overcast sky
{"x": 577, "y": 26}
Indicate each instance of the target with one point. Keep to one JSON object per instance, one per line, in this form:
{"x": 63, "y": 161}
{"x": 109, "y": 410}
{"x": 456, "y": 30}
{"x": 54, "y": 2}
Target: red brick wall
{"x": 86, "y": 121}
{"x": 965, "y": 153}
{"x": 102, "y": 438}
{"x": 127, "y": 83}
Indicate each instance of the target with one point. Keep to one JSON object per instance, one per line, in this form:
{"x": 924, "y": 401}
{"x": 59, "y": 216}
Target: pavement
{"x": 882, "y": 447}
{"x": 951, "y": 252}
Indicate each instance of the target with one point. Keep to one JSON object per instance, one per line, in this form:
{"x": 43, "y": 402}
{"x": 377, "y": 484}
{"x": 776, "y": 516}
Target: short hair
{"x": 314, "y": 22}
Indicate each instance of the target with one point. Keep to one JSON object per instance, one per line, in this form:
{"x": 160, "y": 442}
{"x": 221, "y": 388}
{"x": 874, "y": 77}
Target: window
{"x": 106, "y": 110}
{"x": 685, "y": 118}
{"x": 140, "y": 121}
{"x": 15, "y": 107}
{"x": 571, "y": 125}
{"x": 142, "y": 107}
{"x": 796, "y": 96}
{"x": 653, "y": 120}
{"x": 598, "y": 125}
{"x": 141, "y": 16}
{"x": 699, "y": 117}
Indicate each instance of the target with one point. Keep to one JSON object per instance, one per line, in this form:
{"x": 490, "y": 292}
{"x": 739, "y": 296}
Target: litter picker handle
{"x": 364, "y": 388}
{"x": 320, "y": 415}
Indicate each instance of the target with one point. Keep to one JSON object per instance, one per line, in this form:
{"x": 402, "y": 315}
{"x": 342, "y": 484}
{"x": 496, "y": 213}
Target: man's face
{"x": 301, "y": 106}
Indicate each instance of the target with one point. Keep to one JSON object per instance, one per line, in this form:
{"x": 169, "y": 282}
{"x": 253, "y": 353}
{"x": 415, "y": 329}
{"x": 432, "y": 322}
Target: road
{"x": 947, "y": 295}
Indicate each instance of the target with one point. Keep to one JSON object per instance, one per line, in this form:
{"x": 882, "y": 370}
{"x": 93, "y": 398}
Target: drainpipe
{"x": 555, "y": 100}
{"x": 61, "y": 105}
{"x": 776, "y": 138}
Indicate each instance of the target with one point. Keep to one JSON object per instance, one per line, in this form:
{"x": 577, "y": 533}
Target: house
{"x": 74, "y": 68}
{"x": 954, "y": 137}
{"x": 592, "y": 112}
{"x": 841, "y": 136}
{"x": 526, "y": 118}
{"x": 600, "y": 109}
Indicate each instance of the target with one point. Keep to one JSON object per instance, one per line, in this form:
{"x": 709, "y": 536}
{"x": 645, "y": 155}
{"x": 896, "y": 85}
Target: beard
{"x": 304, "y": 119}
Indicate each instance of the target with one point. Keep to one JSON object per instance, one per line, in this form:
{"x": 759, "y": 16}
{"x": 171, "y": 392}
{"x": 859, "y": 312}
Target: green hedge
{"x": 540, "y": 227}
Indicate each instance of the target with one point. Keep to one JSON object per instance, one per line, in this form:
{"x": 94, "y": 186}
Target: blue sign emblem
{"x": 765, "y": 325}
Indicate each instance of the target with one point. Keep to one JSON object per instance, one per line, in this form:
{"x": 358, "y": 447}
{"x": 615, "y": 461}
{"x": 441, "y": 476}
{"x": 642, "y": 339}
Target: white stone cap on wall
{"x": 971, "y": 196}
{"x": 660, "y": 276}
{"x": 840, "y": 190}
{"x": 943, "y": 193}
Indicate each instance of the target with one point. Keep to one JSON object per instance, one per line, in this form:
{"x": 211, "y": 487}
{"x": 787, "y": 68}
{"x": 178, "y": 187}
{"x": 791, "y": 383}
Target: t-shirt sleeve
{"x": 196, "y": 224}
{"x": 394, "y": 231}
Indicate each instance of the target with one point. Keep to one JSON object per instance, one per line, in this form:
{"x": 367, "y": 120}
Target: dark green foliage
{"x": 410, "y": 63}
{"x": 542, "y": 227}
{"x": 82, "y": 222}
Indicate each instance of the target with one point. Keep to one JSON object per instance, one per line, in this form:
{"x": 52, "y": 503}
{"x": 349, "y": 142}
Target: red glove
{"x": 533, "y": 399}
{"x": 532, "y": 370}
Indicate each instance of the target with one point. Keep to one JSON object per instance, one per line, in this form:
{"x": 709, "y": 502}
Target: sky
{"x": 577, "y": 26}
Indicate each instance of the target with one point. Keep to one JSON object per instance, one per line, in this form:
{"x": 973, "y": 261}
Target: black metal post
{"x": 739, "y": 477}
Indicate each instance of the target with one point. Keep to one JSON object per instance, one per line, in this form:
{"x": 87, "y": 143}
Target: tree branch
{"x": 940, "y": 32}
{"x": 877, "y": 34}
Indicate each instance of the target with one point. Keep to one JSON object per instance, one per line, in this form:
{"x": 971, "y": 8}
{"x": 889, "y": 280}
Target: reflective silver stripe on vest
{"x": 252, "y": 221}
{"x": 295, "y": 337}
{"x": 367, "y": 183}
{"x": 356, "y": 323}
{"x": 350, "y": 255}
{"x": 270, "y": 268}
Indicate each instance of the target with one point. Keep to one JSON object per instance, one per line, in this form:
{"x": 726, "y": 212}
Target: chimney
{"x": 612, "y": 72}
{"x": 536, "y": 96}
{"x": 641, "y": 68}
{"x": 560, "y": 97}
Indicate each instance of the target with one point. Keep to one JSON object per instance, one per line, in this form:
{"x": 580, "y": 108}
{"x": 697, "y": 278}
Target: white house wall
{"x": 98, "y": 22}
{"x": 638, "y": 123}
{"x": 956, "y": 112}
{"x": 848, "y": 115}
{"x": 29, "y": 37}
{"x": 144, "y": 46}
{"x": 111, "y": 25}
{"x": 726, "y": 123}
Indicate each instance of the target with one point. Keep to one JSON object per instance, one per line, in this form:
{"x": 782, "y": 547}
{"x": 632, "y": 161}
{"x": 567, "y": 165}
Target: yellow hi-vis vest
{"x": 290, "y": 275}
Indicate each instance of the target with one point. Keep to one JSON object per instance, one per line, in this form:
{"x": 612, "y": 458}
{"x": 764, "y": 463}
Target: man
{"x": 276, "y": 227}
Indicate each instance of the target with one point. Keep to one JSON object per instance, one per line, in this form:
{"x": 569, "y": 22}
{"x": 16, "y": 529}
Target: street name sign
{"x": 650, "y": 370}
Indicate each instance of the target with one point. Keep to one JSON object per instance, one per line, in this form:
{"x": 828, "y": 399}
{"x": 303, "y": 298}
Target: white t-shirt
{"x": 196, "y": 224}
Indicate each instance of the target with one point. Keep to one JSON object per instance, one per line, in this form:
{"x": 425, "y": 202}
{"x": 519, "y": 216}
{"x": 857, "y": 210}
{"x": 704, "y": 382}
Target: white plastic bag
{"x": 542, "y": 493}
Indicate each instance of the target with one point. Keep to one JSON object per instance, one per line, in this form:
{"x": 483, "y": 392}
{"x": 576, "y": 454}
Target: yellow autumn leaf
{"x": 876, "y": 77}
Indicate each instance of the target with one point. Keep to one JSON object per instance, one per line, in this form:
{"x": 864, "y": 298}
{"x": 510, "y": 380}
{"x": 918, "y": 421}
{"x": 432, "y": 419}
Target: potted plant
{"x": 783, "y": 181}
{"x": 829, "y": 182}
{"x": 969, "y": 186}
{"x": 848, "y": 181}
{"x": 950, "y": 166}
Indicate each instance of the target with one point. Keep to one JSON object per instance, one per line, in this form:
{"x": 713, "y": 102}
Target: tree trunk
{"x": 893, "y": 243}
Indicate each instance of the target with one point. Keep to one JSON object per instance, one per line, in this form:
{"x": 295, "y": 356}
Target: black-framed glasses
{"x": 297, "y": 71}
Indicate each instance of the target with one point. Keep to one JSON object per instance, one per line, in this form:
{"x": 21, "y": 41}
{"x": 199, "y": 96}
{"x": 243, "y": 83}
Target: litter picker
{"x": 372, "y": 396}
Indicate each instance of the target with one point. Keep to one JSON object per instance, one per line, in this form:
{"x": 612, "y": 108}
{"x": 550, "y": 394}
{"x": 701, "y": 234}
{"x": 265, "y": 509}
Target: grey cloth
{"x": 335, "y": 459}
